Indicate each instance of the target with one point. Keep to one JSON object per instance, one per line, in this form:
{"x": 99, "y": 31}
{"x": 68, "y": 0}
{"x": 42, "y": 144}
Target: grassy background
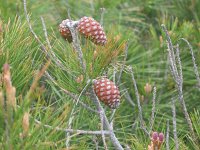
{"x": 138, "y": 21}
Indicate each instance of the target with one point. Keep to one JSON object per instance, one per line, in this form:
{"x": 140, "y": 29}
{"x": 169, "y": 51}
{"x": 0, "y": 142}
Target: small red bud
{"x": 161, "y": 137}
{"x": 155, "y": 136}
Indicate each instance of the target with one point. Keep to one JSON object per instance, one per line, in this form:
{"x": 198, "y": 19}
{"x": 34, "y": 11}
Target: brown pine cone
{"x": 91, "y": 29}
{"x": 107, "y": 92}
{"x": 64, "y": 30}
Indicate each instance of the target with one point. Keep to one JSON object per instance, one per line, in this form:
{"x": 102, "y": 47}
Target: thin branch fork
{"x": 113, "y": 138}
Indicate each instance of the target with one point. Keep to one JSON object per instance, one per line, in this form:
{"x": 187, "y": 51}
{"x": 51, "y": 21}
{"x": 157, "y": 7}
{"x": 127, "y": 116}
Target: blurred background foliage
{"x": 136, "y": 20}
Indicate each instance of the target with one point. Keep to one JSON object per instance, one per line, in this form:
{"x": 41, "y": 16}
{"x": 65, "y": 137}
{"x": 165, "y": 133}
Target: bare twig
{"x": 92, "y": 5}
{"x": 45, "y": 33}
{"x": 114, "y": 75}
{"x": 123, "y": 64}
{"x": 174, "y": 124}
{"x": 68, "y": 14}
{"x": 127, "y": 147}
{"x": 138, "y": 103}
{"x": 128, "y": 97}
{"x": 153, "y": 109}
{"x": 69, "y": 125}
{"x": 76, "y": 43}
{"x": 113, "y": 138}
{"x": 31, "y": 29}
{"x": 102, "y": 128}
{"x": 167, "y": 135}
{"x": 72, "y": 130}
{"x": 193, "y": 60}
{"x": 171, "y": 54}
{"x": 179, "y": 64}
{"x": 178, "y": 79}
{"x": 102, "y": 15}
{"x": 112, "y": 115}
{"x": 96, "y": 142}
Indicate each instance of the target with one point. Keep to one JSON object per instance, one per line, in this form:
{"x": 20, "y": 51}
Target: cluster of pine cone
{"x": 105, "y": 90}
{"x": 88, "y": 27}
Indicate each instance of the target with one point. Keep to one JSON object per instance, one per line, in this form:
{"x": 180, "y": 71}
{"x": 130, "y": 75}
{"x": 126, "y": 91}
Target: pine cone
{"x": 64, "y": 30}
{"x": 91, "y": 29}
{"x": 107, "y": 92}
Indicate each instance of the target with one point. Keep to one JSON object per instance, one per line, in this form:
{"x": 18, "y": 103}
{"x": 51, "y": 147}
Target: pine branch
{"x": 51, "y": 54}
{"x": 167, "y": 136}
{"x": 127, "y": 96}
{"x": 102, "y": 127}
{"x": 100, "y": 109}
{"x": 138, "y": 103}
{"x": 177, "y": 78}
{"x": 76, "y": 43}
{"x": 193, "y": 60}
{"x": 174, "y": 123}
{"x": 103, "y": 10}
{"x": 72, "y": 130}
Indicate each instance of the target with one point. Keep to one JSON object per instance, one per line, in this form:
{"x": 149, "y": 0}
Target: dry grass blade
{"x": 2, "y": 106}
{"x": 38, "y": 76}
{"x": 25, "y": 124}
{"x": 10, "y": 90}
